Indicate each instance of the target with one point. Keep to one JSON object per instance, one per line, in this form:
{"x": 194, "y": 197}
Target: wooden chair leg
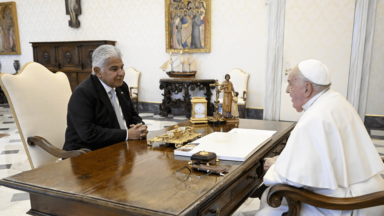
{"x": 243, "y": 114}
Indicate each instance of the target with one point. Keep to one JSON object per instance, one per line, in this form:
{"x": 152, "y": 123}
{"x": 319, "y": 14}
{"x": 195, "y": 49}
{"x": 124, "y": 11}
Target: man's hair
{"x": 102, "y": 54}
{"x": 316, "y": 87}
{"x": 225, "y": 77}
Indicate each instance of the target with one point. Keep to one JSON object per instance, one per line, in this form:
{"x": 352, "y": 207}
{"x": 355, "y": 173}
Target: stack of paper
{"x": 252, "y": 131}
{"x": 236, "y": 145}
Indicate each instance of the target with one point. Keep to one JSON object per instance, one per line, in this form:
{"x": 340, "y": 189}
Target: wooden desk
{"x": 134, "y": 179}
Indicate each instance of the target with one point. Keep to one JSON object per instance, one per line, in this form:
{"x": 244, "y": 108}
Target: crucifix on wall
{"x": 73, "y": 9}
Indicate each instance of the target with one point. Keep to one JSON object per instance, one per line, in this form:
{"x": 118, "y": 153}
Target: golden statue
{"x": 227, "y": 88}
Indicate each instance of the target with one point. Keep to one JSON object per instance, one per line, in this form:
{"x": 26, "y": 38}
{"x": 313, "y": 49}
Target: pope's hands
{"x": 268, "y": 162}
{"x": 138, "y": 131}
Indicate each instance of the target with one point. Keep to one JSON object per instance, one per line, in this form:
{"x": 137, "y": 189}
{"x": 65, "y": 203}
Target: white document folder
{"x": 228, "y": 146}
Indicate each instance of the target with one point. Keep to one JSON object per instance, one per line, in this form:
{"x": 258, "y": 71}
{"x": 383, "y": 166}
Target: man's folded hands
{"x": 137, "y": 131}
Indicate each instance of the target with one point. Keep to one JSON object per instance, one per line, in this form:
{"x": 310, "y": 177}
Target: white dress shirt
{"x": 108, "y": 89}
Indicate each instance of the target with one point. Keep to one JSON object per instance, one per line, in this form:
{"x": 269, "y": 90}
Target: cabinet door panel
{"x": 87, "y": 52}
{"x": 47, "y": 56}
{"x": 69, "y": 58}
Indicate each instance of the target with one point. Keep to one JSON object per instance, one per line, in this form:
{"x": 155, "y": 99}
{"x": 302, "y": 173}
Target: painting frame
{"x": 13, "y": 29}
{"x": 168, "y": 29}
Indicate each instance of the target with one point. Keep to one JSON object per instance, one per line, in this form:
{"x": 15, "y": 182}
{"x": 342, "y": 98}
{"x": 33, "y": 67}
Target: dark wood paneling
{"x": 74, "y": 58}
{"x": 69, "y": 58}
{"x": 82, "y": 76}
{"x": 72, "y": 77}
{"x": 87, "y": 57}
{"x": 47, "y": 56}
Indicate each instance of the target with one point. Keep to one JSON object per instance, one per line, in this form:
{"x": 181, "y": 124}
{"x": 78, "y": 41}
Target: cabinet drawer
{"x": 234, "y": 194}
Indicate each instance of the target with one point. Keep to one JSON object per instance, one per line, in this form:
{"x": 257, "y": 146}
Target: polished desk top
{"x": 139, "y": 177}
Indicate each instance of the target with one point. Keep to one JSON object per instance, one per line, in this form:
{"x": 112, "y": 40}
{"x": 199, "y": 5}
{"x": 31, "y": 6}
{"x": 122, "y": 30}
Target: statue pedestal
{"x": 214, "y": 121}
{"x": 230, "y": 120}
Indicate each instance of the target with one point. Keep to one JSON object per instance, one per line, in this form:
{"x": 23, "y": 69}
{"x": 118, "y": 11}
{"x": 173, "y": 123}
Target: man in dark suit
{"x": 100, "y": 110}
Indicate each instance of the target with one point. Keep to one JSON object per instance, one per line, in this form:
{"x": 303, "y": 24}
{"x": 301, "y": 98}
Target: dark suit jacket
{"x": 91, "y": 119}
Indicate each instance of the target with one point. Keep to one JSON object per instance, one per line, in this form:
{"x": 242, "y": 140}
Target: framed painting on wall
{"x": 188, "y": 26}
{"x": 9, "y": 29}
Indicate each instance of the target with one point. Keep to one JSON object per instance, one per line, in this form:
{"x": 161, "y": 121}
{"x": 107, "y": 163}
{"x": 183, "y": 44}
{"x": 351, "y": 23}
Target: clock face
{"x": 199, "y": 108}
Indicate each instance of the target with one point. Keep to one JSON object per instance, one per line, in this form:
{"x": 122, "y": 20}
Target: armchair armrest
{"x": 130, "y": 90}
{"x": 245, "y": 95}
{"x": 295, "y": 196}
{"x": 53, "y": 150}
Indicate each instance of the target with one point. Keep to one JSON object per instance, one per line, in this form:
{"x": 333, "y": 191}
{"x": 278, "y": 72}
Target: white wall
{"x": 239, "y": 36}
{"x": 322, "y": 30}
{"x": 375, "y": 99}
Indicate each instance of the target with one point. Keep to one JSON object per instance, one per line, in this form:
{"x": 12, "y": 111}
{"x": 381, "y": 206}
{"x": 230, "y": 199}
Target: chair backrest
{"x": 39, "y": 100}
{"x": 132, "y": 78}
{"x": 239, "y": 80}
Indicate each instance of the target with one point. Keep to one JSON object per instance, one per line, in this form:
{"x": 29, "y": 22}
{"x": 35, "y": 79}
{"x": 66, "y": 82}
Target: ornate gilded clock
{"x": 199, "y": 110}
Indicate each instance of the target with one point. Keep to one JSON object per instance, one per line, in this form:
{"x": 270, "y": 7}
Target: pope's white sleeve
{"x": 272, "y": 178}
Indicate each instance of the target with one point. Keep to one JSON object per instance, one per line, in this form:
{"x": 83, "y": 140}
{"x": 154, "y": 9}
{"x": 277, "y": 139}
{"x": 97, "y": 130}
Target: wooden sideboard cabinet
{"x": 74, "y": 58}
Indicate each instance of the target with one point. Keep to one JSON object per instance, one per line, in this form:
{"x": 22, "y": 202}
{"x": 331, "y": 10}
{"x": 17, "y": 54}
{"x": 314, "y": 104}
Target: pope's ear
{"x": 308, "y": 90}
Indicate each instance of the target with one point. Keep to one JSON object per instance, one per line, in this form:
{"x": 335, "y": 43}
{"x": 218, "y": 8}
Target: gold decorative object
{"x": 204, "y": 152}
{"x": 199, "y": 110}
{"x": 182, "y": 28}
{"x": 177, "y": 136}
{"x": 217, "y": 118}
{"x": 187, "y": 69}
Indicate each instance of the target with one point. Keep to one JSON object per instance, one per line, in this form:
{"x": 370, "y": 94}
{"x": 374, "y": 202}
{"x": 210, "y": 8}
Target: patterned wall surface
{"x": 239, "y": 36}
{"x": 376, "y": 81}
{"x": 322, "y": 30}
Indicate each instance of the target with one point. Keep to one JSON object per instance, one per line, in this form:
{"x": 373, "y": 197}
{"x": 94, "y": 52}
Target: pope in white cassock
{"x": 329, "y": 151}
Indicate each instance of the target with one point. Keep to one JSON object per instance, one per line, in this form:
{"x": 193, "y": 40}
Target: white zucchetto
{"x": 315, "y": 71}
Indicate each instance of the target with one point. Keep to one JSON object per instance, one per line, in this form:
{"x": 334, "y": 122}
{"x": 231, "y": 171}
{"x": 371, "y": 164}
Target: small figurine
{"x": 235, "y": 109}
{"x": 227, "y": 88}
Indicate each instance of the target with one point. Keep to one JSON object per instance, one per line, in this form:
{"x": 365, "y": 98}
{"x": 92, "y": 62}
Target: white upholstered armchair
{"x": 239, "y": 80}
{"x": 39, "y": 99}
{"x": 132, "y": 78}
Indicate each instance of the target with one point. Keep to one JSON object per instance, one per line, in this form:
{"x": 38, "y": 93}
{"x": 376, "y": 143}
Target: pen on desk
{"x": 213, "y": 172}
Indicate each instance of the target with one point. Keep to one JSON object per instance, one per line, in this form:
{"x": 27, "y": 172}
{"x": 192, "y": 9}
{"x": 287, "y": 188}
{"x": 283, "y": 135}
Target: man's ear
{"x": 97, "y": 72}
